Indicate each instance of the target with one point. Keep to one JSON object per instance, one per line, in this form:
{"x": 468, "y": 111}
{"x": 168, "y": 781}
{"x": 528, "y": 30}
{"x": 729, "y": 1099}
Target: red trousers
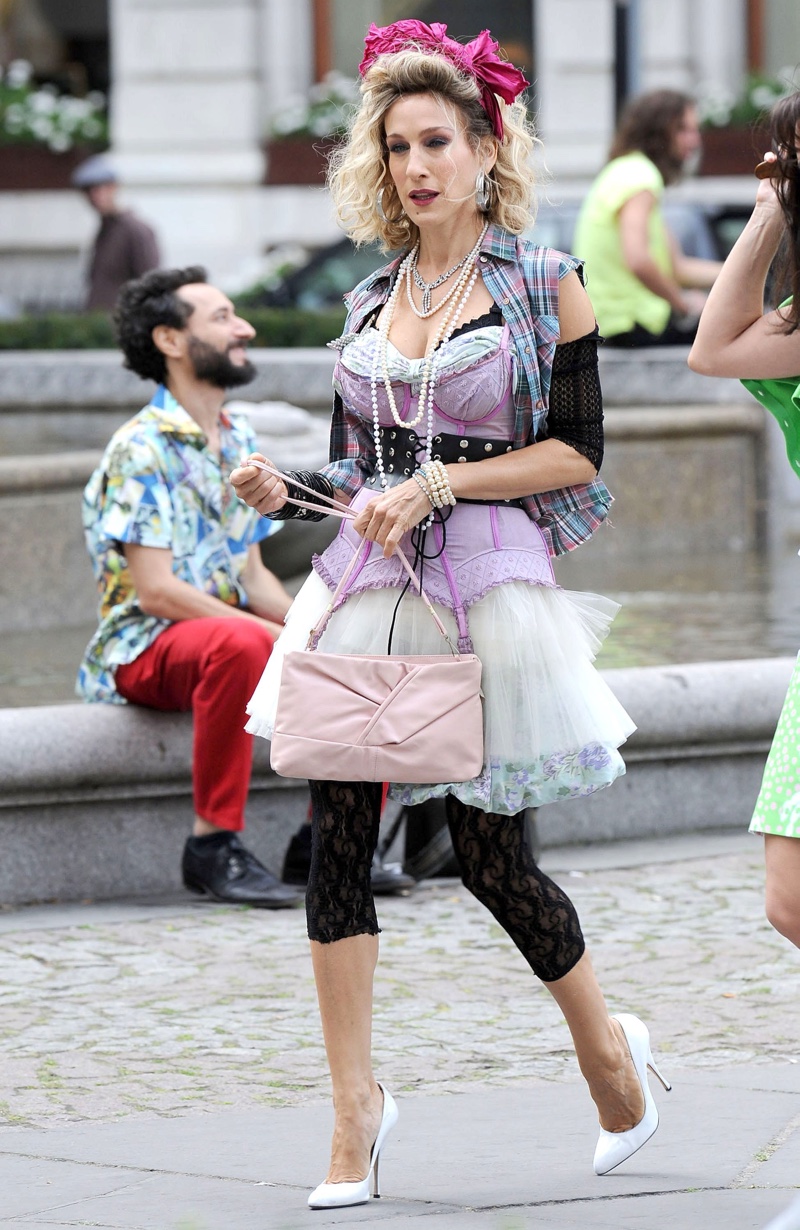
{"x": 211, "y": 667}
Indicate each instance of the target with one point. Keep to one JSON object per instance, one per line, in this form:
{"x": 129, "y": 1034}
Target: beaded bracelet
{"x": 438, "y": 480}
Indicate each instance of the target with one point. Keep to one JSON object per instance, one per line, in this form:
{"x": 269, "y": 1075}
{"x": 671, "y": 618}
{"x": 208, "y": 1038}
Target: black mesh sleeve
{"x": 576, "y": 400}
{"x": 290, "y": 512}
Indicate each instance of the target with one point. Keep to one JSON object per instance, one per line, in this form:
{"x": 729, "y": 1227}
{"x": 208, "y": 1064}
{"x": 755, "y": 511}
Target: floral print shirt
{"x": 158, "y": 485}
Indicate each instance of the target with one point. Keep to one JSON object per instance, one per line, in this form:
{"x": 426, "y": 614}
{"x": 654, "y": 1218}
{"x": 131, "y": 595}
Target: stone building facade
{"x": 195, "y": 83}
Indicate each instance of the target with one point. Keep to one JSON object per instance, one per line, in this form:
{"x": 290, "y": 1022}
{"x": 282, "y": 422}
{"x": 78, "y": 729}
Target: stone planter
{"x": 298, "y": 160}
{"x": 734, "y": 150}
{"x": 31, "y": 168}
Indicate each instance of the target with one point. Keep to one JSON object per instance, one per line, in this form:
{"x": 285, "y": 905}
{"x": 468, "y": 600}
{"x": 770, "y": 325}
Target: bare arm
{"x": 693, "y": 271}
{"x": 634, "y": 219}
{"x": 266, "y": 595}
{"x": 166, "y": 596}
{"x": 735, "y": 338}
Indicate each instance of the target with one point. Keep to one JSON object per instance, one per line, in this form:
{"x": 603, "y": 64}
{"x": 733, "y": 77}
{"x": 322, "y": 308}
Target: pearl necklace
{"x": 464, "y": 285}
{"x": 427, "y": 287}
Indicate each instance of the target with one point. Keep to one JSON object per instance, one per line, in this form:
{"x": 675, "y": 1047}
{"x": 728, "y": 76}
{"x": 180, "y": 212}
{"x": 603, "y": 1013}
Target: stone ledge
{"x": 660, "y": 375}
{"x": 650, "y": 422}
{"x": 64, "y": 470}
{"x": 96, "y": 380}
{"x": 97, "y": 798}
{"x": 97, "y": 802}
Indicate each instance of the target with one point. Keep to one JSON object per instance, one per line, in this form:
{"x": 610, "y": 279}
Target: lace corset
{"x": 474, "y": 382}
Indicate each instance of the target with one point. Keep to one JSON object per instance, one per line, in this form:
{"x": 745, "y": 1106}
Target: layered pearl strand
{"x": 459, "y": 295}
{"x": 464, "y": 285}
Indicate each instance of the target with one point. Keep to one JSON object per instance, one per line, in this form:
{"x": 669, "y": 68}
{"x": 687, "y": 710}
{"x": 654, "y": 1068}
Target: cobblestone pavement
{"x": 116, "y": 1012}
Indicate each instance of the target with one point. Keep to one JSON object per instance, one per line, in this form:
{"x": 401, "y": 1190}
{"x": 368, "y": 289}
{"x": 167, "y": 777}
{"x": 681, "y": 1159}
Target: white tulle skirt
{"x": 552, "y": 726}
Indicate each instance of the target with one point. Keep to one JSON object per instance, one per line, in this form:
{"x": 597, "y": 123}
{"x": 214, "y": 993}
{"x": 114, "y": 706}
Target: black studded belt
{"x": 403, "y": 449}
{"x": 403, "y": 452}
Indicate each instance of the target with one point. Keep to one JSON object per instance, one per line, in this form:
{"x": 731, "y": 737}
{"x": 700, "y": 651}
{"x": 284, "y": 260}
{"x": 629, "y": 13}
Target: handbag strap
{"x": 335, "y": 509}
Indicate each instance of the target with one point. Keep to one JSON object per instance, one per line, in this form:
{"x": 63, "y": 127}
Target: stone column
{"x": 691, "y": 45}
{"x": 575, "y": 67}
{"x": 187, "y": 127}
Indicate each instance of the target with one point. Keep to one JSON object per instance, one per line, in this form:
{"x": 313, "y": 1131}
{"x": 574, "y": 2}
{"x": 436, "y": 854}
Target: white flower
{"x": 59, "y": 142}
{"x": 42, "y": 102}
{"x": 764, "y": 96}
{"x": 320, "y": 126}
{"x": 716, "y": 108}
{"x": 42, "y": 127}
{"x": 19, "y": 74}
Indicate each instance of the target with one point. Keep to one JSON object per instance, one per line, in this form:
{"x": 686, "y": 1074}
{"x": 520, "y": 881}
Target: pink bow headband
{"x": 478, "y": 58}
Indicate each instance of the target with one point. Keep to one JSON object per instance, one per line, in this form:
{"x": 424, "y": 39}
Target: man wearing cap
{"x": 124, "y": 247}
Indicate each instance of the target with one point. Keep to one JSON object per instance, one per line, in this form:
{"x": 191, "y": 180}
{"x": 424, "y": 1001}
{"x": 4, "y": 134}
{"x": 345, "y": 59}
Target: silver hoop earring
{"x": 379, "y": 210}
{"x": 483, "y": 191}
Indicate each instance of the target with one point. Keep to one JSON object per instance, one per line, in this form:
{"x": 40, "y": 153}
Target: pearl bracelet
{"x": 438, "y": 480}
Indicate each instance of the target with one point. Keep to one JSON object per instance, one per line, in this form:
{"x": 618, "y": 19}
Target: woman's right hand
{"x": 766, "y": 187}
{"x": 257, "y": 488}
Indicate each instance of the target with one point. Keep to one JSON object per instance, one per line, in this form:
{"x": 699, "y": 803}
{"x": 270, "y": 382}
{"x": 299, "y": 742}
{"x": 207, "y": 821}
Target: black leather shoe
{"x": 220, "y": 867}
{"x": 389, "y": 879}
{"x": 297, "y": 864}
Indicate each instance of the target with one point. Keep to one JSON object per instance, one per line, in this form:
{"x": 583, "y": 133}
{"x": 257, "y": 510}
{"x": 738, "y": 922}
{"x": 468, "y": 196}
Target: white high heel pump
{"x": 616, "y": 1147}
{"x": 339, "y": 1195}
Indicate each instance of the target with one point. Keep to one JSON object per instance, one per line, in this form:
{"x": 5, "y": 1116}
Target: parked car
{"x": 703, "y": 230}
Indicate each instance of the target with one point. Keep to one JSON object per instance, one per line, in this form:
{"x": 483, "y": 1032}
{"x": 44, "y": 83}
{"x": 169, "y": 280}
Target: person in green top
{"x": 644, "y": 289}
{"x": 737, "y": 338}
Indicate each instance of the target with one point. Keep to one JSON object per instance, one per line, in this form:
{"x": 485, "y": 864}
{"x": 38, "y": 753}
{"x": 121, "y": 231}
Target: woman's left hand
{"x": 389, "y": 516}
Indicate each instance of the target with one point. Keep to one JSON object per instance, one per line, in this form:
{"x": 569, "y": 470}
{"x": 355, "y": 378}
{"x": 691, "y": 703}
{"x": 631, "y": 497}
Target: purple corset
{"x": 474, "y": 383}
{"x": 486, "y": 545}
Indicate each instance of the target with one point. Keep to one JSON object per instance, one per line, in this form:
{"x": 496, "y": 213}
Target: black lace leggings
{"x": 496, "y": 866}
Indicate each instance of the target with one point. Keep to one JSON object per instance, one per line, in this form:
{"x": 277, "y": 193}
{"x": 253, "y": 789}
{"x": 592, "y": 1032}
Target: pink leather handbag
{"x": 377, "y": 717}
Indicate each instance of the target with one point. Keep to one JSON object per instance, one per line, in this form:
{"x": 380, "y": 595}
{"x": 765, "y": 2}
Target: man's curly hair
{"x": 146, "y": 302}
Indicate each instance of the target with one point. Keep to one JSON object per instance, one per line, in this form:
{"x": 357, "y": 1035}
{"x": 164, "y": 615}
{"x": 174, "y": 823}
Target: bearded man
{"x": 188, "y": 612}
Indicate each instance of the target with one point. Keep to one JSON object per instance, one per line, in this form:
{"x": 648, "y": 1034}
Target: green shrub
{"x": 94, "y": 331}
{"x": 294, "y": 326}
{"x": 58, "y": 331}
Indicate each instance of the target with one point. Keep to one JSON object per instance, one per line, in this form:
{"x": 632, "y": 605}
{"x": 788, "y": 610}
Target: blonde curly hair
{"x": 359, "y": 168}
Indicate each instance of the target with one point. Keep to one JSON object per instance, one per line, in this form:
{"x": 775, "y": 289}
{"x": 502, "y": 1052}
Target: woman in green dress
{"x": 736, "y": 338}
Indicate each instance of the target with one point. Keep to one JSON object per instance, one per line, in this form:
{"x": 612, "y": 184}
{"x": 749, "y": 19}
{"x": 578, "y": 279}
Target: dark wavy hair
{"x": 647, "y": 125}
{"x": 783, "y": 124}
{"x": 146, "y": 302}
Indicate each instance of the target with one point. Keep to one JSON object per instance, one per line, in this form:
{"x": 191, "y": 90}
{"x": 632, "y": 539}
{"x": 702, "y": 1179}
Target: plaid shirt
{"x": 524, "y": 280}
